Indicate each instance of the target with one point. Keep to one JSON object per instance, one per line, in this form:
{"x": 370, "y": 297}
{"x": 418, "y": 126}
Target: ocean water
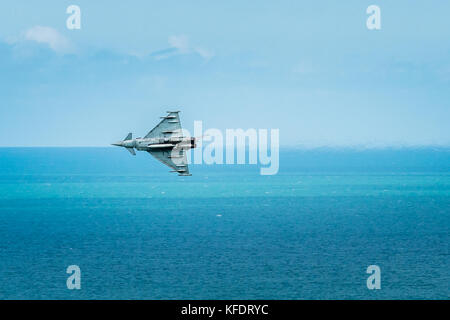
{"x": 309, "y": 232}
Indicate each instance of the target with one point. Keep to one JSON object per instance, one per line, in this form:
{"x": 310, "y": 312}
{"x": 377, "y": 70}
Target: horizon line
{"x": 296, "y": 147}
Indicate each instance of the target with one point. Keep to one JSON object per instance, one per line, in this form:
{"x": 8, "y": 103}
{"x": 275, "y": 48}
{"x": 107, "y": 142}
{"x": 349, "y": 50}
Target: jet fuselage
{"x": 146, "y": 144}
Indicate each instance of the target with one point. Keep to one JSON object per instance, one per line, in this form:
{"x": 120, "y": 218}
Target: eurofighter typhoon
{"x": 165, "y": 142}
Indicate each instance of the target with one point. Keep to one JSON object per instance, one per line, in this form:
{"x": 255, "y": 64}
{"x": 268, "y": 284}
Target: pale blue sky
{"x": 311, "y": 69}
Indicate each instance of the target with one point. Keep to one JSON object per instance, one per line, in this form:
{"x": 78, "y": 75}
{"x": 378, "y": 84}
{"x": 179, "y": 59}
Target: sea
{"x": 136, "y": 231}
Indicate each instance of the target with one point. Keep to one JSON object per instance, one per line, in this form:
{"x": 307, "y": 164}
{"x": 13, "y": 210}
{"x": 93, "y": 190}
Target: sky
{"x": 311, "y": 69}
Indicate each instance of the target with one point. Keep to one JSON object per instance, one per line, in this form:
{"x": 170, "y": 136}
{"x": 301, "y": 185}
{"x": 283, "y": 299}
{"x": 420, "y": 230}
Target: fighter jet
{"x": 165, "y": 142}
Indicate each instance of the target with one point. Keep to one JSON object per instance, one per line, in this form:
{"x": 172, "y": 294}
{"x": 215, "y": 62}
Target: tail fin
{"x": 128, "y": 137}
{"x": 131, "y": 150}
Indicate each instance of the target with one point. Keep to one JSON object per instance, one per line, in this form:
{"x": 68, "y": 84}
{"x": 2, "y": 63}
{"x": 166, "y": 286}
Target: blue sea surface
{"x": 227, "y": 232}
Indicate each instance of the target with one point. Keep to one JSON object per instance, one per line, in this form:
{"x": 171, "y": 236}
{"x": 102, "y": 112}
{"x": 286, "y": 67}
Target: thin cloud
{"x": 48, "y": 36}
{"x": 204, "y": 53}
{"x": 180, "y": 45}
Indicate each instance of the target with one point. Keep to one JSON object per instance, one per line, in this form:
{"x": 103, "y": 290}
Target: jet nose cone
{"x": 118, "y": 144}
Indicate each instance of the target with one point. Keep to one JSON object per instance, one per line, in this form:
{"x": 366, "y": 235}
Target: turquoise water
{"x": 309, "y": 232}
